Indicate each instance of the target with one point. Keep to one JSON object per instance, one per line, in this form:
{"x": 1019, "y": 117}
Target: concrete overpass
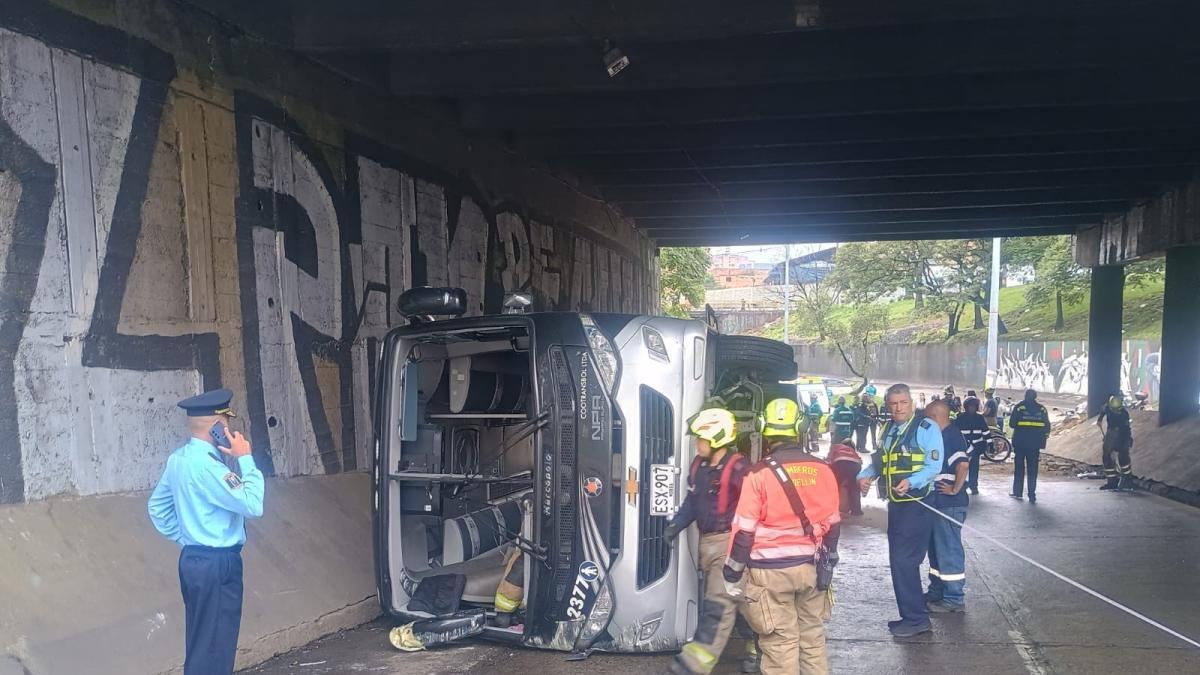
{"x": 196, "y": 193}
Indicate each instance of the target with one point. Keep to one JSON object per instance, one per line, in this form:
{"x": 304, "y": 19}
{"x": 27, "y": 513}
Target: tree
{"x": 851, "y": 327}
{"x": 963, "y": 271}
{"x": 1145, "y": 271}
{"x": 942, "y": 277}
{"x": 682, "y": 273}
{"x": 869, "y": 271}
{"x": 854, "y": 333}
{"x": 1057, "y": 277}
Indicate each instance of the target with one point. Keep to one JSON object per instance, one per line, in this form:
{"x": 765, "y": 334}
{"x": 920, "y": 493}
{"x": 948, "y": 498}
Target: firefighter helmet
{"x": 780, "y": 418}
{"x": 715, "y": 425}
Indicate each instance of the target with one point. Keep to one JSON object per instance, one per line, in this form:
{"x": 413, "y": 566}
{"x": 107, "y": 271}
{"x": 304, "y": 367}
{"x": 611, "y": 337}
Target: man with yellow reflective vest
{"x": 714, "y": 485}
{"x": 1031, "y": 427}
{"x": 909, "y": 457}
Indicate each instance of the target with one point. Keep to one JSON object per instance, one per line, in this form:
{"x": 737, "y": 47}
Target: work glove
{"x": 733, "y": 581}
{"x": 671, "y": 531}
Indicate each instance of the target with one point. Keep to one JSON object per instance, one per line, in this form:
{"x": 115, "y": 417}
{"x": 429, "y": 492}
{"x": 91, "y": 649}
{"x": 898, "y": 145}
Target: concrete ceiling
{"x": 806, "y": 120}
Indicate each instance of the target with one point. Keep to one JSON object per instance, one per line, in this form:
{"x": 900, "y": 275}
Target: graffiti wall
{"x": 1059, "y": 367}
{"x": 162, "y": 234}
{"x": 1062, "y": 367}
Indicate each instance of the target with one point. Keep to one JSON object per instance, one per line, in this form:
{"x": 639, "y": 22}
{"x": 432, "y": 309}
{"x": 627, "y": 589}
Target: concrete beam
{"x": 729, "y": 59}
{"x": 1086, "y": 199}
{"x": 1180, "y": 382}
{"x": 1104, "y": 335}
{"x": 1141, "y": 180}
{"x": 1182, "y": 117}
{"x": 476, "y": 24}
{"x": 950, "y": 219}
{"x": 1149, "y": 229}
{"x": 1092, "y": 86}
{"x": 735, "y": 235}
{"x": 1044, "y": 168}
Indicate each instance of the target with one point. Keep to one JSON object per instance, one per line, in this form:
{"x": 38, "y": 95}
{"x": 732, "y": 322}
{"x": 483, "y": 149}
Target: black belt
{"x": 196, "y": 548}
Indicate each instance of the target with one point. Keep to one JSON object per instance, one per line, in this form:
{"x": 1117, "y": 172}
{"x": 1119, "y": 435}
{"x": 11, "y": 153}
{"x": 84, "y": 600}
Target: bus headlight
{"x": 602, "y": 353}
{"x": 598, "y": 620}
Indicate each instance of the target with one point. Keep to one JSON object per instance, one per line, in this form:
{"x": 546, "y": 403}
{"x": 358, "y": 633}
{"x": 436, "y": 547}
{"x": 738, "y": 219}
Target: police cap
{"x": 215, "y": 402}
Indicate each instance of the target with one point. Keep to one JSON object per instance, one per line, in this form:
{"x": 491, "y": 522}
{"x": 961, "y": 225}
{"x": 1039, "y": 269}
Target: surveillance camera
{"x": 615, "y": 61}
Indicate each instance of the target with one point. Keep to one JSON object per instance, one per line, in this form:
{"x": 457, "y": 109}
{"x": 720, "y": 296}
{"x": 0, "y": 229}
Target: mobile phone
{"x": 219, "y": 436}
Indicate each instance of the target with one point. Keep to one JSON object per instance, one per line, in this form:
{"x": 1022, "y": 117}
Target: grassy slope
{"x": 1142, "y": 320}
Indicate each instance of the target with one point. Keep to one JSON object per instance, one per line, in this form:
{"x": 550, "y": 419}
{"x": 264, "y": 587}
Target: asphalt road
{"x": 1139, "y": 549}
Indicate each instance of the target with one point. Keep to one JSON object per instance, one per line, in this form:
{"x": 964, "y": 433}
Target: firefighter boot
{"x": 752, "y": 659}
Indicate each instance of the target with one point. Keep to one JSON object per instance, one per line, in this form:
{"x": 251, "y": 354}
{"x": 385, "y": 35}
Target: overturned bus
{"x": 562, "y": 436}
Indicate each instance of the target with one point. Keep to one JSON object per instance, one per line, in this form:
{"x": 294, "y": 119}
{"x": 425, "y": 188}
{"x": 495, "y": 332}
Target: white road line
{"x": 1096, "y": 594}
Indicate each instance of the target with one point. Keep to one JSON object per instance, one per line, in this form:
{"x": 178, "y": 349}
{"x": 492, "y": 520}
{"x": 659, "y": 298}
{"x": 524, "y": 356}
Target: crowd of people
{"x": 769, "y": 531}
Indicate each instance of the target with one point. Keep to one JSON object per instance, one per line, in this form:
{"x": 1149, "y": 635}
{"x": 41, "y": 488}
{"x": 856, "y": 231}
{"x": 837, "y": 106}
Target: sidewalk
{"x": 1139, "y": 549}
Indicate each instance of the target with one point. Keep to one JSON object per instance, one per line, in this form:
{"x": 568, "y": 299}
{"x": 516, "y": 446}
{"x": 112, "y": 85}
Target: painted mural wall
{"x": 1059, "y": 367}
{"x": 161, "y": 235}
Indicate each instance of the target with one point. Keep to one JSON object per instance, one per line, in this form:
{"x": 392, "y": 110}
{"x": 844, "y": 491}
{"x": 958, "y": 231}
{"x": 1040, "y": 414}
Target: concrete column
{"x": 1104, "y": 335}
{"x": 1179, "y": 385}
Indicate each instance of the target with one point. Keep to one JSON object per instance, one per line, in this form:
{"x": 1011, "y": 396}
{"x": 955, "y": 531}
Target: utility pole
{"x": 787, "y": 293}
{"x": 993, "y": 318}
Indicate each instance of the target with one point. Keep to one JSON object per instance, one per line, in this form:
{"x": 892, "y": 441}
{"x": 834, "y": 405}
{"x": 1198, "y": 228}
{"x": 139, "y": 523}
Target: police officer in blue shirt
{"x": 908, "y": 458}
{"x": 200, "y": 504}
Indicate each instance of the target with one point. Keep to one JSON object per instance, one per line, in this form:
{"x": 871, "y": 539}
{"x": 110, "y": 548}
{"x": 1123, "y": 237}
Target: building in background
{"x": 805, "y": 269}
{"x": 734, "y": 270}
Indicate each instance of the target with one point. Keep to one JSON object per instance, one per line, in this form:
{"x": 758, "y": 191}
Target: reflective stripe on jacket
{"x": 900, "y": 458}
{"x": 1030, "y": 424}
{"x": 767, "y": 531}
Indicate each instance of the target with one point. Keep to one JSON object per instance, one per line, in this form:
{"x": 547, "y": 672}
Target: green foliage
{"x": 854, "y": 332}
{"x": 1145, "y": 272}
{"x": 867, "y": 271}
{"x": 1142, "y": 319}
{"x": 1057, "y": 278}
{"x": 944, "y": 278}
{"x": 682, "y": 274}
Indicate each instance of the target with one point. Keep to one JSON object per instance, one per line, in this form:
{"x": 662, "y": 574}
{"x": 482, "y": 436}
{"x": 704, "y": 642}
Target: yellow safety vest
{"x": 901, "y": 458}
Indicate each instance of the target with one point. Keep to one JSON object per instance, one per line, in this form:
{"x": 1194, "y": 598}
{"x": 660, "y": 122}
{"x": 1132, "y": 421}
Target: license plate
{"x": 662, "y": 489}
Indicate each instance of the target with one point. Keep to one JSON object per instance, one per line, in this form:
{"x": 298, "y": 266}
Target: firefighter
{"x": 909, "y": 457}
{"x": 1118, "y": 439}
{"x": 784, "y": 546}
{"x": 511, "y": 591}
{"x": 1031, "y": 427}
{"x": 714, "y": 483}
{"x": 845, "y": 461}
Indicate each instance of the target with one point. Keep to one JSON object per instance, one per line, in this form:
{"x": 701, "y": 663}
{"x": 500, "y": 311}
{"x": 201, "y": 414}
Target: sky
{"x": 768, "y": 253}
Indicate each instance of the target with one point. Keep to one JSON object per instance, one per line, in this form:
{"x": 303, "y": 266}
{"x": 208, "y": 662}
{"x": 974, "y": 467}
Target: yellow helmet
{"x": 780, "y": 418}
{"x": 1115, "y": 402}
{"x": 715, "y": 425}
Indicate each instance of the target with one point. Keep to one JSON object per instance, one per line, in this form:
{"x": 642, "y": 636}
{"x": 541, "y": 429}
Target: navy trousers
{"x": 910, "y": 526}
{"x": 211, "y": 581}
{"x": 1025, "y": 464}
